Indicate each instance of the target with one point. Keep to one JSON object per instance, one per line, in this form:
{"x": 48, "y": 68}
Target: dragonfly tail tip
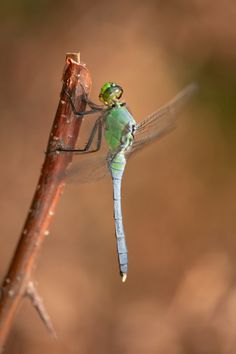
{"x": 123, "y": 277}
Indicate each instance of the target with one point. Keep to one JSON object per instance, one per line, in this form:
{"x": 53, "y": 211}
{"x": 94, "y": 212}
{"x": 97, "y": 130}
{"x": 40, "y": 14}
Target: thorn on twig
{"x": 37, "y": 302}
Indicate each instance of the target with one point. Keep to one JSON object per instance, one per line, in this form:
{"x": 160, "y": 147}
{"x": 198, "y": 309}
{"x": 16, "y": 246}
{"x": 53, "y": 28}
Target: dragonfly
{"x": 123, "y": 136}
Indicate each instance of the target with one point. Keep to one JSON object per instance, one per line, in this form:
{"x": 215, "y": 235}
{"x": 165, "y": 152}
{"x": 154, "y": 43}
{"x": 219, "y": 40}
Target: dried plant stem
{"x": 18, "y": 281}
{"x": 37, "y": 302}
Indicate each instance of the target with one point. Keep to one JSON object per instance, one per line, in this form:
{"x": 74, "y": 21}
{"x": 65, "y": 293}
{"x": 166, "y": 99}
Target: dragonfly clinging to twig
{"x": 123, "y": 137}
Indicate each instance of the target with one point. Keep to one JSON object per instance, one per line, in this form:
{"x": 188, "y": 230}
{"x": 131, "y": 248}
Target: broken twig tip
{"x": 70, "y": 57}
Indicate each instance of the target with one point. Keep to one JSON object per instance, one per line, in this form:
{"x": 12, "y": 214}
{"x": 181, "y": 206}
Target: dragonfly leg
{"x": 94, "y": 108}
{"x": 85, "y": 150}
{"x": 90, "y": 103}
{"x": 93, "y": 105}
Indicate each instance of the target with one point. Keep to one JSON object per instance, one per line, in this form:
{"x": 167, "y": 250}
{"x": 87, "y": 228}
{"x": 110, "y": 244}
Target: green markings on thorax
{"x": 117, "y": 120}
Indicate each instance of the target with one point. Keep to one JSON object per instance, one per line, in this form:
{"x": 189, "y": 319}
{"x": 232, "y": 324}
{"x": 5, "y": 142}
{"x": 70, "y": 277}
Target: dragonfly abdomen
{"x": 116, "y": 167}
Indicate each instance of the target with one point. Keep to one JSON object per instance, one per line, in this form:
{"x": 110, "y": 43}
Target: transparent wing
{"x": 162, "y": 121}
{"x": 91, "y": 169}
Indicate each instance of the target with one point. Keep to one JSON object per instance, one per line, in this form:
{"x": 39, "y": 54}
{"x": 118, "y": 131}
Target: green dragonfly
{"x": 123, "y": 137}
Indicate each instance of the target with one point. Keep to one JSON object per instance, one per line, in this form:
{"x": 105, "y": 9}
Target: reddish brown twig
{"x": 18, "y": 281}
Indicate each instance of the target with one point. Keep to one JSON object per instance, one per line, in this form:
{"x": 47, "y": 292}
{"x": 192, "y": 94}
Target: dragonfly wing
{"x": 162, "y": 121}
{"x": 153, "y": 127}
{"x": 87, "y": 168}
{"x": 90, "y": 169}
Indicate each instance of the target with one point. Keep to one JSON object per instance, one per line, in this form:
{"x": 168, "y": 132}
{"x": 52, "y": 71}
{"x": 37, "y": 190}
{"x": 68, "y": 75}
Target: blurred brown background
{"x": 178, "y": 195}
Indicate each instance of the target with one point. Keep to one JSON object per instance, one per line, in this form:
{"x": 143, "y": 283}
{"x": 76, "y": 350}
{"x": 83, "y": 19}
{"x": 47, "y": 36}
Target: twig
{"x": 38, "y": 304}
{"x": 64, "y": 132}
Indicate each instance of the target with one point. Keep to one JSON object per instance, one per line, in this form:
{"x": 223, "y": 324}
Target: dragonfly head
{"x": 110, "y": 93}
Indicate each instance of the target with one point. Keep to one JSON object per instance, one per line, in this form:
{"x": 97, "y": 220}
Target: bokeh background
{"x": 178, "y": 194}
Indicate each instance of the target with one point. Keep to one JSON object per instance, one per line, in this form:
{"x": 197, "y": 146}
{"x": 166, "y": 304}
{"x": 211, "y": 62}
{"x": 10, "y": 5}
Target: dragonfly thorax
{"x": 119, "y": 126}
{"x": 110, "y": 94}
